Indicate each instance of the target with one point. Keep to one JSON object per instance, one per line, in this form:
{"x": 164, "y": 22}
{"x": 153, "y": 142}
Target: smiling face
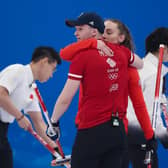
{"x": 112, "y": 33}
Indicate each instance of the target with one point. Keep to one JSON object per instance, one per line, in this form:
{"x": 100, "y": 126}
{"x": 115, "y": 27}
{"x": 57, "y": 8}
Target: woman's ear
{"x": 121, "y": 38}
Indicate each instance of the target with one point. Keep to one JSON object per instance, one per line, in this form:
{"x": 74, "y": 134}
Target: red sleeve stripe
{"x": 131, "y": 58}
{"x": 75, "y": 76}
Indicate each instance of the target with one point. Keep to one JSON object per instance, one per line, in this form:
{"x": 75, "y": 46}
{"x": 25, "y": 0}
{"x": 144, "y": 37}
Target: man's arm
{"x": 7, "y": 105}
{"x": 65, "y": 99}
{"x": 40, "y": 126}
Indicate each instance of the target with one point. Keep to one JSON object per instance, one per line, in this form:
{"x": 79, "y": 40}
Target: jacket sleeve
{"x": 136, "y": 96}
{"x": 69, "y": 52}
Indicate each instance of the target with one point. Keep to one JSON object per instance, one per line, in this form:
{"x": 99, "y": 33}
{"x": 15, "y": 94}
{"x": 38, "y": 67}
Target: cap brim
{"x": 71, "y": 23}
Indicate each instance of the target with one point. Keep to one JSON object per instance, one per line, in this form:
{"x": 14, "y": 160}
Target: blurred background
{"x": 26, "y": 24}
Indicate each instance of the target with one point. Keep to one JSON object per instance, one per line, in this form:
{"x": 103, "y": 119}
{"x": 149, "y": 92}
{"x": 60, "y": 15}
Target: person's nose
{"x": 76, "y": 33}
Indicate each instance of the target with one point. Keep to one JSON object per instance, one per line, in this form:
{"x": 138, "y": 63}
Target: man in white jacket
{"x": 148, "y": 80}
{"x": 17, "y": 95}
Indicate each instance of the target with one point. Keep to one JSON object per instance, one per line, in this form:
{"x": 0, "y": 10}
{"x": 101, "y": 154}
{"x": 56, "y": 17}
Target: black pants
{"x": 101, "y": 146}
{"x": 136, "y": 152}
{"x": 6, "y": 158}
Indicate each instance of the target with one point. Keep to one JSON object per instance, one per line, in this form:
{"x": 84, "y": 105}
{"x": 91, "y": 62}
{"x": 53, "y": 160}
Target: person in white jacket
{"x": 17, "y": 98}
{"x": 148, "y": 80}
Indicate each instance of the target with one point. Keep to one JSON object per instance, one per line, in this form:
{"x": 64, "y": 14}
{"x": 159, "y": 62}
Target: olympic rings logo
{"x": 113, "y": 76}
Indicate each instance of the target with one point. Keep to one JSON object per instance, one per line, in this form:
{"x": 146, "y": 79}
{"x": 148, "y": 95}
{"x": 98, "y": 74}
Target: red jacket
{"x": 134, "y": 88}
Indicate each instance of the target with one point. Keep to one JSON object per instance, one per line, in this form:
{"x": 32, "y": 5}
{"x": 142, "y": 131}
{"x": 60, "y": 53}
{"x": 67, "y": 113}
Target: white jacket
{"x": 148, "y": 80}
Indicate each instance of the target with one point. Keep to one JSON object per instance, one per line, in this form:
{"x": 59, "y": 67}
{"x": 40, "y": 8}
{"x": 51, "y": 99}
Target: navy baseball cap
{"x": 90, "y": 18}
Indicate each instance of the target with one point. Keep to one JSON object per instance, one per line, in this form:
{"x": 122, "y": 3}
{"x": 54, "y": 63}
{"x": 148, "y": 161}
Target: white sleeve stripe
{"x": 76, "y": 76}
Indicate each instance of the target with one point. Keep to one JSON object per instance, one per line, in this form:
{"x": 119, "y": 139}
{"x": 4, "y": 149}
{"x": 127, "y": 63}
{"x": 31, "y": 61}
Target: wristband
{"x": 18, "y": 119}
{"x": 56, "y": 124}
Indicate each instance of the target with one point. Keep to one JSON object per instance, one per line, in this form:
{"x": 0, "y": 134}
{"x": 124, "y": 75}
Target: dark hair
{"x": 128, "y": 42}
{"x": 49, "y": 52}
{"x": 157, "y": 37}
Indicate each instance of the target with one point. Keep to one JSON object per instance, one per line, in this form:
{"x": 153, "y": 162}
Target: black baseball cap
{"x": 90, "y": 18}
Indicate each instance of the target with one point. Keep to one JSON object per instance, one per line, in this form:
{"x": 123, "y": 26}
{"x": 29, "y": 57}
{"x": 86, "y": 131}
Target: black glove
{"x": 151, "y": 144}
{"x": 56, "y": 134}
{"x": 151, "y": 147}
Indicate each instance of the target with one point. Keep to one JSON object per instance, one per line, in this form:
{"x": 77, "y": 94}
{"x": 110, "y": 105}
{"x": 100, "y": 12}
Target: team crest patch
{"x": 111, "y": 62}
